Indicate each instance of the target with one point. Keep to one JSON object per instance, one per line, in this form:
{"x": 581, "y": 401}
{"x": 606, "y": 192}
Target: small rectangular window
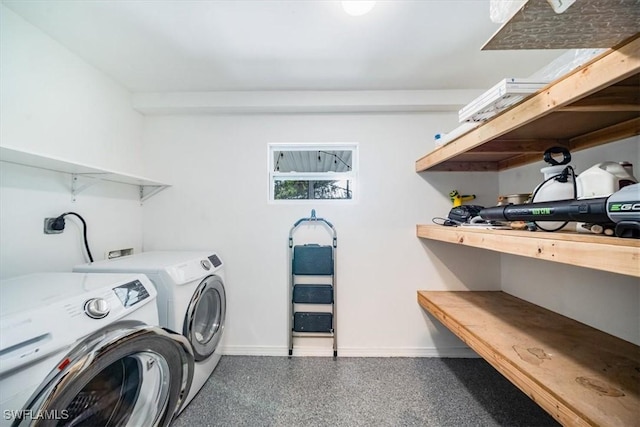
{"x": 312, "y": 171}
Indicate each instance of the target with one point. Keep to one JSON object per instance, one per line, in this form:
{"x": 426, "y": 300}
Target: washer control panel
{"x": 51, "y": 311}
{"x": 194, "y": 269}
{"x": 215, "y": 260}
{"x": 131, "y": 293}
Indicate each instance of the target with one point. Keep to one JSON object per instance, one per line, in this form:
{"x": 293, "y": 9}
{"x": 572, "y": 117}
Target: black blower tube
{"x": 588, "y": 210}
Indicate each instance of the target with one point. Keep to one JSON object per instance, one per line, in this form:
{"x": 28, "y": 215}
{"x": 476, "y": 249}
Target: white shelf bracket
{"x": 147, "y": 191}
{"x": 78, "y": 186}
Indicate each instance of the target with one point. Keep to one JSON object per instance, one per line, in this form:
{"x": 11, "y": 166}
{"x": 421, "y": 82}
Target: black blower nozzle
{"x": 589, "y": 210}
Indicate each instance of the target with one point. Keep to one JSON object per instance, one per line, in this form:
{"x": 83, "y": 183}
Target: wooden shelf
{"x": 599, "y": 252}
{"x": 579, "y": 375}
{"x": 82, "y": 175}
{"x": 594, "y": 105}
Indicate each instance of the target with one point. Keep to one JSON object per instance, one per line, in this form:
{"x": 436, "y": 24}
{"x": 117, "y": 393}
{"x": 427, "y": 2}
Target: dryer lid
{"x": 178, "y": 266}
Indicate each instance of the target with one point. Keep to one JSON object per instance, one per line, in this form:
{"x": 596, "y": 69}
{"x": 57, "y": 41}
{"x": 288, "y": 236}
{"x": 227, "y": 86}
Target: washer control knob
{"x": 205, "y": 264}
{"x": 96, "y": 308}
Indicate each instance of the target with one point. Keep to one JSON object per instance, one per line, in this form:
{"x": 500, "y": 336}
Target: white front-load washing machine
{"x": 85, "y": 349}
{"x": 191, "y": 299}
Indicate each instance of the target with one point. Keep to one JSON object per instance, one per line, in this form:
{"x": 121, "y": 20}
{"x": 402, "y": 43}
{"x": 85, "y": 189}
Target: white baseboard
{"x": 461, "y": 352}
{"x": 249, "y": 350}
{"x": 452, "y": 352}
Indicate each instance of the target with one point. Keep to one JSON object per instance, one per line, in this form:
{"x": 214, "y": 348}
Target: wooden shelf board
{"x": 612, "y": 133}
{"x": 580, "y": 375}
{"x": 546, "y": 118}
{"x": 517, "y": 146}
{"x": 621, "y": 256}
{"x": 567, "y": 125}
{"x": 501, "y": 154}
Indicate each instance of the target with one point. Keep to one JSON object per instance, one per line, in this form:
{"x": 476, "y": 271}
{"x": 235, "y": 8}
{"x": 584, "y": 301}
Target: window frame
{"x": 351, "y": 175}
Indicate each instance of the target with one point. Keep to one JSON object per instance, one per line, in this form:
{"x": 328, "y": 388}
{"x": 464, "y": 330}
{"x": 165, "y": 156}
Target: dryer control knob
{"x": 96, "y": 308}
{"x": 205, "y": 264}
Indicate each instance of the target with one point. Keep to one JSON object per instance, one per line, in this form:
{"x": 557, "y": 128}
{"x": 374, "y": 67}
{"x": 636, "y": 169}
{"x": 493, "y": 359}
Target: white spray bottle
{"x": 558, "y": 184}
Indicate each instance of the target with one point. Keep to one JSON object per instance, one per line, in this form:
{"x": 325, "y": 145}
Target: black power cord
{"x": 58, "y": 224}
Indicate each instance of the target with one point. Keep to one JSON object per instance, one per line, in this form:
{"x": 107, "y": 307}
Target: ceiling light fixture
{"x": 358, "y": 7}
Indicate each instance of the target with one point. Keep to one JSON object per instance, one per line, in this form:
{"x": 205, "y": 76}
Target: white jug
{"x": 604, "y": 179}
{"x": 552, "y": 189}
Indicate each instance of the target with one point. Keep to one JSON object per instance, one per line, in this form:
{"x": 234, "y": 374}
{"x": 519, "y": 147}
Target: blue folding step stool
{"x": 311, "y": 261}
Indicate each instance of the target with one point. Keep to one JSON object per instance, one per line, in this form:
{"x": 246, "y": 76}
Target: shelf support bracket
{"x": 77, "y": 186}
{"x": 147, "y": 191}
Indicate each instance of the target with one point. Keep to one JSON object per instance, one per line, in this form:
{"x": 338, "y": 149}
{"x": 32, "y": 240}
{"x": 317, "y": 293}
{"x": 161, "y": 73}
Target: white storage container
{"x": 554, "y": 190}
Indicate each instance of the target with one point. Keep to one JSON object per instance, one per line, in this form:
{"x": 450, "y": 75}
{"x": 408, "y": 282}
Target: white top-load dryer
{"x": 191, "y": 299}
{"x": 85, "y": 349}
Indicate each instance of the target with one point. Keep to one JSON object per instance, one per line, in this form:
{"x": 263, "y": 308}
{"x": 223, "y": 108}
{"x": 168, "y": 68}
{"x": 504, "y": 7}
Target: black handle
{"x": 566, "y": 156}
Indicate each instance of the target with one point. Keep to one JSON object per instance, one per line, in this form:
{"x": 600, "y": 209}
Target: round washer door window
{"x": 134, "y": 376}
{"x": 122, "y": 393}
{"x": 204, "y": 320}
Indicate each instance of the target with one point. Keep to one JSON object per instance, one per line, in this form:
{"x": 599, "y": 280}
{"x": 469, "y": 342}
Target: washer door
{"x": 204, "y": 320}
{"x": 127, "y": 374}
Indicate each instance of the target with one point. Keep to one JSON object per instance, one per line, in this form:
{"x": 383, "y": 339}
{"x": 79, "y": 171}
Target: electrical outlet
{"x": 48, "y": 222}
{"x": 118, "y": 253}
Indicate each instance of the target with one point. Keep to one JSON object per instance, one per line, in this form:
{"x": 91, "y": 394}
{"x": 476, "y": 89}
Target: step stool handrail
{"x": 313, "y": 218}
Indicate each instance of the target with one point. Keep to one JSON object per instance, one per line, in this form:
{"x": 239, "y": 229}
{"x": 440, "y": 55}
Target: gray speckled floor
{"x": 312, "y": 391}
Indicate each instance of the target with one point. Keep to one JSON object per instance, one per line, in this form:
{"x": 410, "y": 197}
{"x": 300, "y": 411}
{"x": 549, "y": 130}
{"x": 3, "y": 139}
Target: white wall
{"x": 55, "y": 104}
{"x": 606, "y": 301}
{"x": 218, "y": 168}
{"x": 28, "y": 195}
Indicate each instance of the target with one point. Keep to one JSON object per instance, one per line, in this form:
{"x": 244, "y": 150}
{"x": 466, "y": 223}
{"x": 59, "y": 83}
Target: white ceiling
{"x": 166, "y": 45}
